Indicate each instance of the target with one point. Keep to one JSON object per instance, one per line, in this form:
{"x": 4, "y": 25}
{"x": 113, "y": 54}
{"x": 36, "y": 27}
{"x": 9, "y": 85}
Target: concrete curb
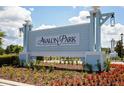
{"x": 13, "y": 83}
{"x": 122, "y": 63}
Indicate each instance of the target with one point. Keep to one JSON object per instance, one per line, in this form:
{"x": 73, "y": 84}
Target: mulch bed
{"x": 29, "y": 76}
{"x": 76, "y": 67}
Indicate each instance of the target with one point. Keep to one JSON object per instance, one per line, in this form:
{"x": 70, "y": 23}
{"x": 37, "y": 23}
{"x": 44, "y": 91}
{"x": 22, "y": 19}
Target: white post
{"x": 27, "y": 27}
{"x": 92, "y": 29}
{"x": 96, "y": 21}
{"x": 98, "y": 31}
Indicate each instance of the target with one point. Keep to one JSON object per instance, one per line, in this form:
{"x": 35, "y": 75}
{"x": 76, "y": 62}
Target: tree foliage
{"x": 106, "y": 50}
{"x": 2, "y": 34}
{"x": 1, "y": 51}
{"x": 119, "y": 48}
{"x": 13, "y": 49}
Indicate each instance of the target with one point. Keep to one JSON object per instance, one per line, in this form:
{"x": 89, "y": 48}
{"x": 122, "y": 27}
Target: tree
{"x": 119, "y": 48}
{"x": 13, "y": 49}
{"x": 1, "y": 51}
{"x": 106, "y": 50}
{"x": 18, "y": 49}
{"x": 2, "y": 34}
{"x": 9, "y": 49}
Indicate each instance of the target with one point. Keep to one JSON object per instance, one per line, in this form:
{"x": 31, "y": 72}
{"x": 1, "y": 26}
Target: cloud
{"x": 87, "y": 7}
{"x": 31, "y": 9}
{"x": 74, "y": 7}
{"x": 43, "y": 26}
{"x": 81, "y": 18}
{"x": 11, "y": 19}
{"x": 108, "y": 32}
{"x": 84, "y": 7}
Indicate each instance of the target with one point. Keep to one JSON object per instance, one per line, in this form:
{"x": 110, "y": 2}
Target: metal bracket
{"x": 105, "y": 17}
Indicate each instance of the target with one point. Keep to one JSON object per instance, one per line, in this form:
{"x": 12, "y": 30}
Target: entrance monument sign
{"x": 80, "y": 40}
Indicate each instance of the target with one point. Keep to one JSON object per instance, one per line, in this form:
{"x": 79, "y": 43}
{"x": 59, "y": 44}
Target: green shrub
{"x": 98, "y": 65}
{"x": 43, "y": 69}
{"x": 84, "y": 74}
{"x": 50, "y": 68}
{"x": 107, "y": 65}
{"x": 89, "y": 67}
{"x": 40, "y": 58}
{"x": 9, "y": 60}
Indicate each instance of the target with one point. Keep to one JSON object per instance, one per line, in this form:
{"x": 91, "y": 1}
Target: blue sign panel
{"x": 66, "y": 38}
{"x": 58, "y": 40}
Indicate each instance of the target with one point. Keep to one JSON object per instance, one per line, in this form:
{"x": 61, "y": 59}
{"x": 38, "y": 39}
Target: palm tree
{"x": 2, "y": 34}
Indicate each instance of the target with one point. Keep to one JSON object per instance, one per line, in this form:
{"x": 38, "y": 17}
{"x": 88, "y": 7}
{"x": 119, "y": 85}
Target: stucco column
{"x": 98, "y": 31}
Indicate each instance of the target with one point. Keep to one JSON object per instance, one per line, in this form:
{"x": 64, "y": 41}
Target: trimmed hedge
{"x": 40, "y": 58}
{"x": 9, "y": 60}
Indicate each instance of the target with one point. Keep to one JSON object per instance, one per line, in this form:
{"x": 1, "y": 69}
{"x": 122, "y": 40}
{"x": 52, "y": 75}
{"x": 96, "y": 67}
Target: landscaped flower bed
{"x": 41, "y": 77}
{"x": 114, "y": 77}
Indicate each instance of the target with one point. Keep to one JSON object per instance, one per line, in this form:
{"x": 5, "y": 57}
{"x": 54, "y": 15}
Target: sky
{"x": 12, "y": 18}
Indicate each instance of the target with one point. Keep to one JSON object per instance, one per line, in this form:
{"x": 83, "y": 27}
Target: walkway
{"x": 117, "y": 62}
{"x": 4, "y": 82}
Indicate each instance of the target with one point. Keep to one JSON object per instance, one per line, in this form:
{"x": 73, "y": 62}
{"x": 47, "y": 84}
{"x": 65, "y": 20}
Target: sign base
{"x": 25, "y": 58}
{"x": 95, "y": 61}
{"x": 91, "y": 58}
